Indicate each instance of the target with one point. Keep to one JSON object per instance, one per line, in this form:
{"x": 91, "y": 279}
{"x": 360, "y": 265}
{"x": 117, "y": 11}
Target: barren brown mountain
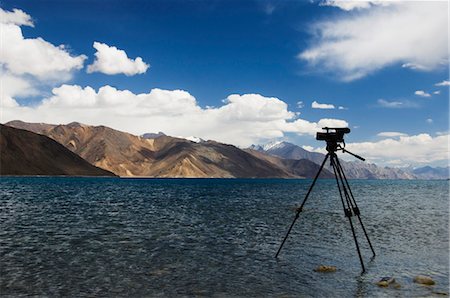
{"x": 26, "y": 153}
{"x": 128, "y": 155}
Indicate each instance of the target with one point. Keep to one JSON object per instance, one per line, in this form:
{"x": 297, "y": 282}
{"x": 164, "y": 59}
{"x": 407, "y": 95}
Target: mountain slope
{"x": 26, "y": 153}
{"x": 128, "y": 155}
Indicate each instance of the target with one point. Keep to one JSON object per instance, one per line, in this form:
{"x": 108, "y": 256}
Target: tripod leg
{"x": 357, "y": 246}
{"x": 347, "y": 210}
{"x": 355, "y": 209}
{"x": 297, "y": 214}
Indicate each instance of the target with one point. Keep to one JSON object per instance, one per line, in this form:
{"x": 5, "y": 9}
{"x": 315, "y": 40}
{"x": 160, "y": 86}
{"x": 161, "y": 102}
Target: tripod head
{"x": 334, "y": 136}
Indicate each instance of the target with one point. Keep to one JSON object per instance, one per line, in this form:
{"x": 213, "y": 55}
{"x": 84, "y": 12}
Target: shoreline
{"x": 203, "y": 178}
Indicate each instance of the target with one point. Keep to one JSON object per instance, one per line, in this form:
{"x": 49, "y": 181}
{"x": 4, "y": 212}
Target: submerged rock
{"x": 424, "y": 280}
{"x": 440, "y": 293}
{"x": 323, "y": 268}
{"x": 386, "y": 281}
{"x": 159, "y": 272}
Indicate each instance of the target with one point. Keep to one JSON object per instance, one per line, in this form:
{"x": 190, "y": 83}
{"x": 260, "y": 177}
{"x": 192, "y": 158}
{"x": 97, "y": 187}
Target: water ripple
{"x": 150, "y": 237}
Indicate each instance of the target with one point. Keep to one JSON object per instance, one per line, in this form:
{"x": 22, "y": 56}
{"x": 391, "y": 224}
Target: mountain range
{"x": 353, "y": 169}
{"x": 159, "y": 155}
{"x": 128, "y": 155}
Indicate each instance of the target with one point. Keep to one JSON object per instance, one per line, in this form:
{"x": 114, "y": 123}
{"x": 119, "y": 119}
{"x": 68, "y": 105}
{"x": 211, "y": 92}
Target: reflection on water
{"x": 218, "y": 237}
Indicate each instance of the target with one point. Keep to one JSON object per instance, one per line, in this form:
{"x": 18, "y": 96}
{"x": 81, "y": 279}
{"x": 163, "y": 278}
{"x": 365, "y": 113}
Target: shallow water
{"x": 217, "y": 237}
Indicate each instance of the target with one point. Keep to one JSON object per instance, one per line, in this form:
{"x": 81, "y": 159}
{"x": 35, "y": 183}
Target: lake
{"x": 217, "y": 237}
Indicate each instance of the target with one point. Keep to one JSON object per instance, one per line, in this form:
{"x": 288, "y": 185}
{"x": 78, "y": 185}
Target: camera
{"x": 332, "y": 134}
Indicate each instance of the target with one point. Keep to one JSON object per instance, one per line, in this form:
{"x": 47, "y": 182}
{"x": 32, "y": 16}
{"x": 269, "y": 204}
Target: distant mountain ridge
{"x": 23, "y": 152}
{"x": 290, "y": 151}
{"x": 428, "y": 172}
{"x": 151, "y": 135}
{"x": 128, "y": 155}
{"x": 353, "y": 170}
{"x": 298, "y": 167}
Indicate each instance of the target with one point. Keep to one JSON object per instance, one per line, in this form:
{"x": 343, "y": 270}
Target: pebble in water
{"x": 388, "y": 281}
{"x": 424, "y": 280}
{"x": 440, "y": 293}
{"x": 385, "y": 281}
{"x": 324, "y": 268}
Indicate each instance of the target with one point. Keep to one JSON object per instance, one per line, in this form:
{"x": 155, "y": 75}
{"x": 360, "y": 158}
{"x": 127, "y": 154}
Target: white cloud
{"x": 15, "y": 17}
{"x": 417, "y": 149}
{"x": 414, "y": 66}
{"x": 12, "y": 86}
{"x": 391, "y": 134}
{"x": 110, "y": 60}
{"x": 443, "y": 83}
{"x": 396, "y": 104}
{"x": 300, "y": 104}
{"x": 429, "y": 120}
{"x": 241, "y": 120}
{"x": 353, "y": 45}
{"x": 422, "y": 93}
{"x": 316, "y": 105}
{"x": 332, "y": 123}
{"x": 437, "y": 92}
{"x": 348, "y": 5}
{"x": 28, "y": 63}
{"x": 35, "y": 56}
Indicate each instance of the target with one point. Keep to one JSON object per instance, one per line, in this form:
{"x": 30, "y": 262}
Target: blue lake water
{"x": 217, "y": 237}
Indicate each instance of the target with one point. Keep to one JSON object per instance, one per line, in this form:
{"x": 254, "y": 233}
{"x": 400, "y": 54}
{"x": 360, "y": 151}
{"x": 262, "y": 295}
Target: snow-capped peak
{"x": 274, "y": 145}
{"x": 194, "y": 139}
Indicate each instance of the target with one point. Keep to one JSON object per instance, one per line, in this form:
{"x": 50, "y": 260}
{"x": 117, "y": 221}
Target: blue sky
{"x": 293, "y": 51}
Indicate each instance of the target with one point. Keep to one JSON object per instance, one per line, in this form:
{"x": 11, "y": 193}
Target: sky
{"x": 238, "y": 72}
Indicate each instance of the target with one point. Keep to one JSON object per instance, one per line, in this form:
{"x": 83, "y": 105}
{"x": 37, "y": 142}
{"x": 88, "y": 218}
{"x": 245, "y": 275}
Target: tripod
{"x": 348, "y": 200}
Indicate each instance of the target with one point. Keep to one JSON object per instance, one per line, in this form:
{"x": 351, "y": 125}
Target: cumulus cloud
{"x": 422, "y": 93}
{"x": 35, "y": 56}
{"x": 391, "y": 134}
{"x": 332, "y": 123}
{"x": 443, "y": 83}
{"x": 15, "y": 17}
{"x": 410, "y": 33}
{"x": 416, "y": 149}
{"x": 27, "y": 63}
{"x": 316, "y": 105}
{"x": 241, "y": 120}
{"x": 110, "y": 60}
{"x": 14, "y": 86}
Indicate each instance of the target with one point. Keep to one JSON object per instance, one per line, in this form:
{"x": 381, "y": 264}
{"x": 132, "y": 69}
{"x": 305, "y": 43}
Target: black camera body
{"x": 333, "y": 134}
